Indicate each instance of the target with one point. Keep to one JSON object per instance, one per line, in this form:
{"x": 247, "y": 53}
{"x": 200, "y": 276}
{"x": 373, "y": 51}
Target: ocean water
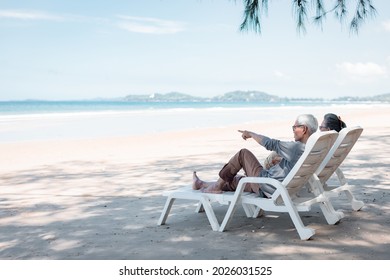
{"x": 47, "y": 120}
{"x": 53, "y": 107}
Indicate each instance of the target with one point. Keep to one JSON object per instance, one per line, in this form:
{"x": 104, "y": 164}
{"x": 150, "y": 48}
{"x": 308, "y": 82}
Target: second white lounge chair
{"x": 331, "y": 165}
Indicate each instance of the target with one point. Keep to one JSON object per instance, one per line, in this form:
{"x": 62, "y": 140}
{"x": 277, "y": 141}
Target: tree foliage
{"x": 362, "y": 9}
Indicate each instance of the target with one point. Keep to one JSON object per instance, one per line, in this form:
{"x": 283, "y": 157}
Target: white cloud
{"x": 149, "y": 25}
{"x": 386, "y": 25}
{"x": 362, "y": 71}
{"x": 29, "y": 15}
{"x": 132, "y": 24}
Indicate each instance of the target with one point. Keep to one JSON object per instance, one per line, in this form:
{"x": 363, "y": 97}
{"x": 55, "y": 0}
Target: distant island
{"x": 245, "y": 96}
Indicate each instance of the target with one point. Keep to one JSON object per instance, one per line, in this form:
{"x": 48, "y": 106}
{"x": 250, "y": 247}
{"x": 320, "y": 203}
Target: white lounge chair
{"x": 282, "y": 200}
{"x": 331, "y": 165}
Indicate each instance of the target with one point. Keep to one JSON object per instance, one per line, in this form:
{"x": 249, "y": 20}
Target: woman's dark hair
{"x": 333, "y": 122}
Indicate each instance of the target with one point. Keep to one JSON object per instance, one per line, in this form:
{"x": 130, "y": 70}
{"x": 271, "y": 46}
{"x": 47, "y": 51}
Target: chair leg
{"x": 199, "y": 208}
{"x": 203, "y": 204}
{"x": 355, "y": 204}
{"x": 258, "y": 212}
{"x": 304, "y": 232}
{"x": 166, "y": 210}
{"x": 331, "y": 215}
{"x": 249, "y": 209}
{"x": 210, "y": 213}
{"x": 229, "y": 215}
{"x": 252, "y": 211}
{"x": 237, "y": 200}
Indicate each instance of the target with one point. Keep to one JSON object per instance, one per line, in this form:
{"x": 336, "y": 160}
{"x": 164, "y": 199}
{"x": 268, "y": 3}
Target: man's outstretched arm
{"x": 249, "y": 134}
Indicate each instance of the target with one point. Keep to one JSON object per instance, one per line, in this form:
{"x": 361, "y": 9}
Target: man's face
{"x": 299, "y": 131}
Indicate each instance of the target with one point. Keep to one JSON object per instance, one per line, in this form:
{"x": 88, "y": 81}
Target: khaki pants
{"x": 247, "y": 161}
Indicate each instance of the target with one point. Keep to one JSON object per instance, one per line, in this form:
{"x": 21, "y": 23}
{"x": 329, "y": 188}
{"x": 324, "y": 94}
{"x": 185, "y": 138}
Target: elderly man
{"x": 289, "y": 151}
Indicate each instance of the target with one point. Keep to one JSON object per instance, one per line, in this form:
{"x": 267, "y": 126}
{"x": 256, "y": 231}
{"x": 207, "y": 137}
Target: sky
{"x": 66, "y": 50}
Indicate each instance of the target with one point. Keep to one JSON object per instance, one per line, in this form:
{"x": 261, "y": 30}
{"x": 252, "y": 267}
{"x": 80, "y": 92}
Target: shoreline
{"x": 98, "y": 125}
{"x": 176, "y": 107}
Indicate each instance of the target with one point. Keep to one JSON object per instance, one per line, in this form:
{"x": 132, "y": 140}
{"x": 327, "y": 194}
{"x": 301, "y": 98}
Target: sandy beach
{"x": 101, "y": 198}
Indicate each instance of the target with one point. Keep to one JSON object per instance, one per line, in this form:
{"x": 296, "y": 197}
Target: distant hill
{"x": 234, "y": 96}
{"x": 167, "y": 97}
{"x": 244, "y": 96}
{"x": 378, "y": 98}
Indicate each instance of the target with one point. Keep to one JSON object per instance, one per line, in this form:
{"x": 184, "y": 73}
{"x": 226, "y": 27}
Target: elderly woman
{"x": 332, "y": 122}
{"x": 289, "y": 151}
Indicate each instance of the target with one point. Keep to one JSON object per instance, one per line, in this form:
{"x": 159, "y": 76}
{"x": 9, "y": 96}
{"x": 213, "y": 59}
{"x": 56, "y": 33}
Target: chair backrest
{"x": 341, "y": 148}
{"x": 316, "y": 149}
